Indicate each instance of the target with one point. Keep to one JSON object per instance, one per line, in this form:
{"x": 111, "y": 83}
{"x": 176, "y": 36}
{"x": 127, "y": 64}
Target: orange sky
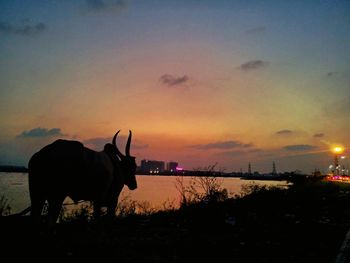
{"x": 219, "y": 82}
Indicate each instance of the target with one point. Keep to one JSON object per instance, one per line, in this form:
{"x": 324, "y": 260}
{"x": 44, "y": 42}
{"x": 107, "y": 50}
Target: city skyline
{"x": 200, "y": 82}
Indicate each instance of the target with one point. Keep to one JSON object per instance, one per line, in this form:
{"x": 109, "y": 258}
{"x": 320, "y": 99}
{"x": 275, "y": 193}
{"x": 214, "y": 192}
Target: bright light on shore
{"x": 338, "y": 149}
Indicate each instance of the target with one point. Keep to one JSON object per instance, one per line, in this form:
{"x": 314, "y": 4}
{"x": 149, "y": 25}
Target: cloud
{"x": 252, "y": 65}
{"x": 26, "y": 29}
{"x": 41, "y": 132}
{"x": 240, "y": 150}
{"x": 99, "y": 142}
{"x": 300, "y": 147}
{"x": 139, "y": 146}
{"x": 318, "y": 135}
{"x": 332, "y": 73}
{"x": 231, "y": 153}
{"x": 284, "y": 132}
{"x": 255, "y": 150}
{"x": 221, "y": 145}
{"x": 172, "y": 81}
{"x": 256, "y": 30}
{"x": 112, "y": 6}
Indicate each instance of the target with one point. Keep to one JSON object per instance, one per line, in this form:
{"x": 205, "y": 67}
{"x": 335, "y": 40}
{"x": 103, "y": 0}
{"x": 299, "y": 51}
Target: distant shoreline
{"x": 261, "y": 177}
{"x": 13, "y": 169}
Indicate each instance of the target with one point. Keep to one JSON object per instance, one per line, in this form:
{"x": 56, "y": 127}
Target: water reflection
{"x": 158, "y": 192}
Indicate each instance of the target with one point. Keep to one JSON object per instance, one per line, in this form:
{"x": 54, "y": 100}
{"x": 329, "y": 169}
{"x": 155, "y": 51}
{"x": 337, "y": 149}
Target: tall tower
{"x": 274, "y": 172}
{"x": 336, "y": 164}
{"x": 338, "y": 150}
{"x": 249, "y": 169}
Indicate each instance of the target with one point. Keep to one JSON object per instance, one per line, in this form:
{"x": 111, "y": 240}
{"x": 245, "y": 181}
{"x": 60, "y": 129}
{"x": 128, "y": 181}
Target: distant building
{"x": 171, "y": 166}
{"x": 152, "y": 166}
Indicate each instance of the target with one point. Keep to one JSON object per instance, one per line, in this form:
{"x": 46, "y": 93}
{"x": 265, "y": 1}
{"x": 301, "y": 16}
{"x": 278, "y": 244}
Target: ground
{"x": 306, "y": 223}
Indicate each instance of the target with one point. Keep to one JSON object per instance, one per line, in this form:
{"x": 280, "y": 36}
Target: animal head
{"x": 127, "y": 162}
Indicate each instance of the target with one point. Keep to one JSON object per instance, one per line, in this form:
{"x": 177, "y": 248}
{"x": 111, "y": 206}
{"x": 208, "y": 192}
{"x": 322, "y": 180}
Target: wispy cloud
{"x": 256, "y": 30}
{"x": 99, "y": 142}
{"x": 139, "y": 146}
{"x": 332, "y": 73}
{"x": 173, "y": 81}
{"x": 233, "y": 153}
{"x": 26, "y": 29}
{"x": 255, "y": 150}
{"x": 253, "y": 65}
{"x": 284, "y": 132}
{"x": 221, "y": 145}
{"x": 41, "y": 132}
{"x": 111, "y": 6}
{"x": 244, "y": 149}
{"x": 300, "y": 147}
{"x": 318, "y": 135}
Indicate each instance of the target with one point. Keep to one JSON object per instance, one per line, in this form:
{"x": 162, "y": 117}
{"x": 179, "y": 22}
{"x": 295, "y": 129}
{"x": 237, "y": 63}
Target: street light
{"x": 337, "y": 150}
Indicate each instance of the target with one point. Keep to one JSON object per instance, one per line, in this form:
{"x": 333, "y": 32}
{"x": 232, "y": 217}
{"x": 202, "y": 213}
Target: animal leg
{"x": 113, "y": 202}
{"x": 97, "y": 209}
{"x": 37, "y": 205}
{"x": 55, "y": 205}
{"x": 113, "y": 197}
{"x": 111, "y": 208}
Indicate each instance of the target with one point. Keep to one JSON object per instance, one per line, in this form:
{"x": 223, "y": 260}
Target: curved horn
{"x": 115, "y": 145}
{"x": 127, "y": 147}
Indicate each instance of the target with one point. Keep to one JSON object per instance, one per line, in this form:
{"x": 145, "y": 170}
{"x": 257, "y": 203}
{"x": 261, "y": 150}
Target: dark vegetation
{"x": 305, "y": 222}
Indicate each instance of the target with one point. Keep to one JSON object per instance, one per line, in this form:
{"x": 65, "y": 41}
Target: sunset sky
{"x": 198, "y": 82}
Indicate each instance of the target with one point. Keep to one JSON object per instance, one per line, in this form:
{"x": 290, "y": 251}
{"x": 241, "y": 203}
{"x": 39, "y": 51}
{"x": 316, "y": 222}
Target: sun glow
{"x": 338, "y": 149}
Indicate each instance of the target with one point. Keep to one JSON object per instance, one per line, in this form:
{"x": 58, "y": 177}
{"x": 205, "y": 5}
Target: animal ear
{"x": 109, "y": 148}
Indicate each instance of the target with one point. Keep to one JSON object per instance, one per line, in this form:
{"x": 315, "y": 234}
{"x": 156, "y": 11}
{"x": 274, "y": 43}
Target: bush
{"x": 82, "y": 214}
{"x": 200, "y": 189}
{"x": 255, "y": 189}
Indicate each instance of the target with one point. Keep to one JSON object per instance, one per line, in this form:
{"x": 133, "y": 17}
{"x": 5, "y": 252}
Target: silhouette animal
{"x": 67, "y": 168}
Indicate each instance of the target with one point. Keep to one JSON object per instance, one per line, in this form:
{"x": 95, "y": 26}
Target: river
{"x": 157, "y": 192}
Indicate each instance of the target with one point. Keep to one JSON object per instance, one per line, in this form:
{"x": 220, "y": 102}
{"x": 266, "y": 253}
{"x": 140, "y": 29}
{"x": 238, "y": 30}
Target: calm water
{"x": 157, "y": 191}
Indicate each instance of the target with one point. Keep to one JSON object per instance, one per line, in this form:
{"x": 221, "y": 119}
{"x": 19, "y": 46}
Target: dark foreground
{"x": 306, "y": 223}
